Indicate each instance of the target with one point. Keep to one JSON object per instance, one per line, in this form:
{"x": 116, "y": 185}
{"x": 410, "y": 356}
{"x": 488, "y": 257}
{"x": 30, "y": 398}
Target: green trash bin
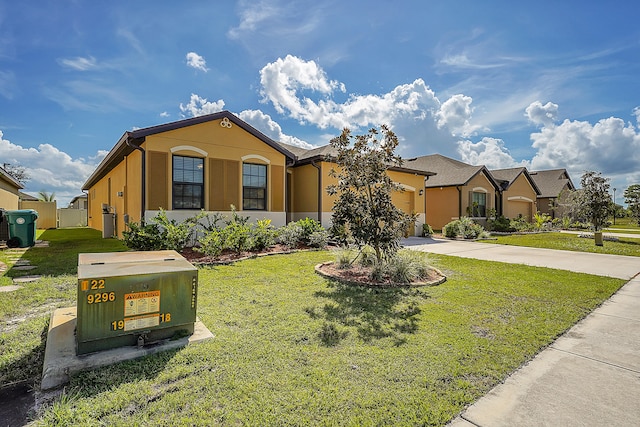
{"x": 22, "y": 228}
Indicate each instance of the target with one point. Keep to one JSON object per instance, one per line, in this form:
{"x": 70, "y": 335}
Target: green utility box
{"x": 134, "y": 298}
{"x": 22, "y": 228}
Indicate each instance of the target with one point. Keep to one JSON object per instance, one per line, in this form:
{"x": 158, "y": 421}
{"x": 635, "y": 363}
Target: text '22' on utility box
{"x": 134, "y": 298}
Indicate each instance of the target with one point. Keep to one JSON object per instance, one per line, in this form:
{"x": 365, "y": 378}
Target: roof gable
{"x": 5, "y": 176}
{"x": 132, "y": 140}
{"x": 449, "y": 172}
{"x": 551, "y": 182}
{"x": 506, "y": 177}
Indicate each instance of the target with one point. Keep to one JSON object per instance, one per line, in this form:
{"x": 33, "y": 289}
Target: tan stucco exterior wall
{"x": 479, "y": 183}
{"x": 8, "y": 196}
{"x": 121, "y": 188}
{"x": 305, "y": 192}
{"x": 519, "y": 199}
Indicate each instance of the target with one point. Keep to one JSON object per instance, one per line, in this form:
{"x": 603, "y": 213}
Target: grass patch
{"x": 570, "y": 242}
{"x": 25, "y": 313}
{"x": 293, "y": 348}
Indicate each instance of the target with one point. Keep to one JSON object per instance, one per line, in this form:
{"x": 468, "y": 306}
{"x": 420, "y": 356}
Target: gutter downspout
{"x": 144, "y": 179}
{"x": 313, "y": 163}
{"x": 459, "y": 201}
{"x": 287, "y": 212}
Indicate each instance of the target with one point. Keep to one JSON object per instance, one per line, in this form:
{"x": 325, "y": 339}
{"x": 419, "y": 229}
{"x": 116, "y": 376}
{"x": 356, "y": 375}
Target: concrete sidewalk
{"x": 590, "y": 376}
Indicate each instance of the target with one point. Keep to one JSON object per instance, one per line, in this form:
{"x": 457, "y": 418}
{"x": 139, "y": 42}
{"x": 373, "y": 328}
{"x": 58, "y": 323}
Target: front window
{"x": 188, "y": 182}
{"x": 479, "y": 204}
{"x": 254, "y": 187}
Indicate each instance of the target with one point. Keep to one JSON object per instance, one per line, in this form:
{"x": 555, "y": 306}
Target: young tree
{"x": 364, "y": 206}
{"x": 632, "y": 199}
{"x": 595, "y": 201}
{"x": 19, "y": 173}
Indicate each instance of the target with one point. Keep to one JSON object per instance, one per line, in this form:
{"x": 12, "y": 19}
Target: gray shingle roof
{"x": 552, "y": 182}
{"x": 449, "y": 172}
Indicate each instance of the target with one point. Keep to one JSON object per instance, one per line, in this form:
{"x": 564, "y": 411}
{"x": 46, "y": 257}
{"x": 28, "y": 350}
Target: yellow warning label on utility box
{"x": 141, "y": 322}
{"x": 141, "y": 303}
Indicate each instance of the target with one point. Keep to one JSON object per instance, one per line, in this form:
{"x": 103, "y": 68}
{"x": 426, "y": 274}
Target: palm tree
{"x": 43, "y": 196}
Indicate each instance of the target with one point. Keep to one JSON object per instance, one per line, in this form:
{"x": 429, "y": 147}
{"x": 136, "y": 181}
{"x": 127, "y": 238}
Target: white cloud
{"x": 610, "y": 146}
{"x": 196, "y": 61}
{"x": 79, "y": 63}
{"x": 539, "y": 114}
{"x": 636, "y": 112}
{"x": 490, "y": 152}
{"x": 266, "y": 125}
{"x": 301, "y": 90}
{"x": 252, "y": 14}
{"x": 455, "y": 114}
{"x": 50, "y": 169}
{"x": 165, "y": 114}
{"x": 198, "y": 106}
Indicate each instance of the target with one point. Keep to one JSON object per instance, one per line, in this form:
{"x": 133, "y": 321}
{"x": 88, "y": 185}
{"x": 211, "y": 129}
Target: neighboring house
{"x": 24, "y": 197}
{"x": 9, "y": 191}
{"x": 203, "y": 163}
{"x": 212, "y": 162}
{"x": 518, "y": 193}
{"x": 553, "y": 185}
{"x": 458, "y": 189}
{"x": 309, "y": 177}
{"x": 79, "y": 202}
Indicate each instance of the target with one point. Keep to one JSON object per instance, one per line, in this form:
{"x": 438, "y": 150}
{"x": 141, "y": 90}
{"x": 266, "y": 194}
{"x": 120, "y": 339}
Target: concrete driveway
{"x": 621, "y": 267}
{"x": 590, "y": 376}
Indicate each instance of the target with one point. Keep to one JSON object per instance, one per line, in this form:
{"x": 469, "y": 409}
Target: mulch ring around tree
{"x": 361, "y": 276}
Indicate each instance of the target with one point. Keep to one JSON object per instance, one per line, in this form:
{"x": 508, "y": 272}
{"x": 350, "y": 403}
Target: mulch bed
{"x": 228, "y": 257}
{"x": 361, "y": 276}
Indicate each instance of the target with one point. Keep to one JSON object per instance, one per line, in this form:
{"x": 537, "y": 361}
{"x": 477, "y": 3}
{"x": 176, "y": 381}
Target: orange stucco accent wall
{"x": 442, "y": 206}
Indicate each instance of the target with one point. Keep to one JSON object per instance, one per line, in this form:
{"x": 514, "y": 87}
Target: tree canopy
{"x": 595, "y": 200}
{"x": 632, "y": 199}
{"x": 363, "y": 205}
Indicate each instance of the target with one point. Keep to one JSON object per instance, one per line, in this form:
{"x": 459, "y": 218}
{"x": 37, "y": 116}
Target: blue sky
{"x": 501, "y": 83}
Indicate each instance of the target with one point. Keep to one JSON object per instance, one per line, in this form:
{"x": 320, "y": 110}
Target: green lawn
{"x": 24, "y": 314}
{"x": 293, "y": 348}
{"x": 570, "y": 242}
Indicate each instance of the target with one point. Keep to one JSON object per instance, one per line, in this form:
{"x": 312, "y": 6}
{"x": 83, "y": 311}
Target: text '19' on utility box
{"x": 134, "y": 298}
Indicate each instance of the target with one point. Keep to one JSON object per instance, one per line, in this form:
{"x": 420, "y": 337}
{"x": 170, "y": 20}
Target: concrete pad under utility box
{"x": 61, "y": 361}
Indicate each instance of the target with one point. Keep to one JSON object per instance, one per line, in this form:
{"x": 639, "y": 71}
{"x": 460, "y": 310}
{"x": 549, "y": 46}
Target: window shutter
{"x": 216, "y": 185}
{"x": 277, "y": 188}
{"x": 224, "y": 184}
{"x": 157, "y": 180}
{"x": 232, "y": 187}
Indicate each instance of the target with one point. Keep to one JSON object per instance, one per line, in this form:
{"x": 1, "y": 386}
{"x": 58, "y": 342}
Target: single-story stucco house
{"x": 214, "y": 161}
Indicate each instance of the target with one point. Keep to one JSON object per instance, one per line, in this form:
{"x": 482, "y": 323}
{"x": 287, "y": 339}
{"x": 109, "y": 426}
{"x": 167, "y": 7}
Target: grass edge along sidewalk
{"x": 294, "y": 348}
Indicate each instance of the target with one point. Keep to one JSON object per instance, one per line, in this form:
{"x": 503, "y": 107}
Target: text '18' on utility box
{"x": 134, "y": 298}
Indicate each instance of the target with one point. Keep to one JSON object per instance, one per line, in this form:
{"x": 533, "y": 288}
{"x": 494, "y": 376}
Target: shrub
{"x": 237, "y": 237}
{"x": 290, "y": 235}
{"x": 212, "y": 243}
{"x": 427, "y": 231}
{"x": 263, "y": 235}
{"x": 319, "y": 239}
{"x": 541, "y": 220}
{"x": 160, "y": 233}
{"x": 147, "y": 237}
{"x": 521, "y": 224}
{"x": 463, "y": 227}
{"x": 500, "y": 224}
{"x": 344, "y": 258}
{"x": 309, "y": 226}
